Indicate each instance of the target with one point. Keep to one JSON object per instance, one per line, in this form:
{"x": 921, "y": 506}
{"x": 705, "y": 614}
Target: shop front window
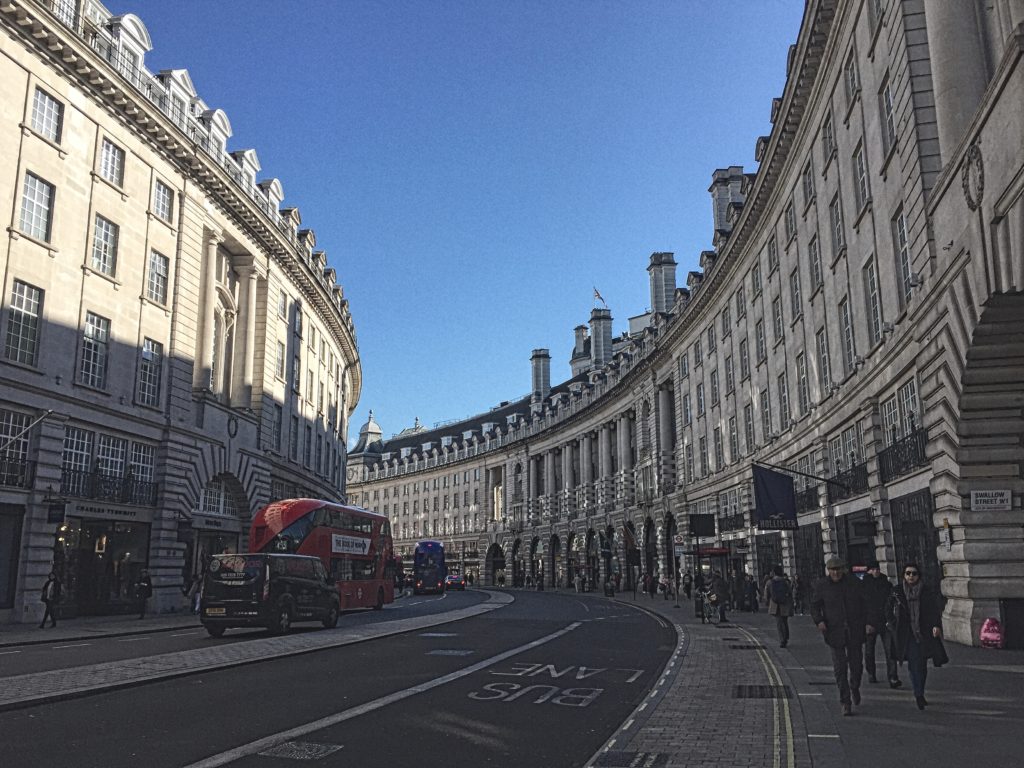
{"x": 98, "y": 562}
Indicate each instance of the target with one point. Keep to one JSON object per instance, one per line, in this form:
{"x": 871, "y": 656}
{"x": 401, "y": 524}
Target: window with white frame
{"x": 888, "y": 116}
{"x": 684, "y": 366}
{"x": 78, "y": 449}
{"x": 778, "y": 327}
{"x": 282, "y": 305}
{"x": 849, "y": 340}
{"x": 901, "y": 413}
{"x": 712, "y": 341}
{"x": 807, "y": 181}
{"x": 687, "y": 414}
{"x": 714, "y": 387}
{"x": 874, "y": 303}
{"x": 110, "y": 455}
{"x": 703, "y": 452}
{"x": 309, "y": 386}
{"x": 156, "y": 284}
{"x": 112, "y": 162}
{"x": 726, "y": 318}
{"x": 688, "y": 458}
{"x": 755, "y": 279}
{"x": 24, "y": 314}
{"x": 899, "y": 234}
{"x": 13, "y": 437}
{"x": 700, "y": 399}
{"x": 280, "y": 360}
{"x": 730, "y": 377}
{"x": 104, "y": 246}
{"x": 37, "y": 207}
{"x": 741, "y": 303}
{"x": 297, "y": 373}
{"x": 748, "y": 426}
{"x": 734, "y": 440}
{"x": 766, "y": 414}
{"x": 824, "y": 364}
{"x": 307, "y": 447}
{"x": 293, "y": 439}
{"x": 92, "y": 370}
{"x": 141, "y": 462}
{"x": 760, "y": 343}
{"x": 47, "y": 115}
{"x": 860, "y": 178}
{"x": 784, "y": 414}
{"x": 150, "y": 372}
{"x": 835, "y": 217}
{"x": 744, "y": 359}
{"x": 773, "y": 253}
{"x": 828, "y": 137}
{"x": 796, "y": 301}
{"x": 719, "y": 450}
{"x": 219, "y": 501}
{"x": 698, "y": 357}
{"x": 163, "y": 201}
{"x": 803, "y": 391}
{"x": 790, "y": 220}
{"x": 846, "y": 449}
{"x": 814, "y": 257}
{"x": 851, "y": 78}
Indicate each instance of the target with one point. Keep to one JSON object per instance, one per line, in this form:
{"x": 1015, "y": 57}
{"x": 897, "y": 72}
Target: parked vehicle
{"x": 267, "y": 590}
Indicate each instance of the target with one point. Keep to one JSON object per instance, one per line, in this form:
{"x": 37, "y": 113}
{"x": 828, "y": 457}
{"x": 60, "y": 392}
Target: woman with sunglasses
{"x": 915, "y": 619}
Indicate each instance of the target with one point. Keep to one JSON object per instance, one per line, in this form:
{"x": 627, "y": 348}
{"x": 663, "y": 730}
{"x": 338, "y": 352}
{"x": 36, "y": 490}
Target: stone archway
{"x": 980, "y": 558}
{"x": 494, "y": 566}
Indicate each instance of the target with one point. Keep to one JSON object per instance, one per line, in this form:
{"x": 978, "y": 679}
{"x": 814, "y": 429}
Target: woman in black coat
{"x": 915, "y": 619}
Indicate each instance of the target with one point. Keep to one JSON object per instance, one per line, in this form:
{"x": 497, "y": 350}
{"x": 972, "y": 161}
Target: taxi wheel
{"x": 331, "y": 619}
{"x": 215, "y": 631}
{"x": 283, "y": 621}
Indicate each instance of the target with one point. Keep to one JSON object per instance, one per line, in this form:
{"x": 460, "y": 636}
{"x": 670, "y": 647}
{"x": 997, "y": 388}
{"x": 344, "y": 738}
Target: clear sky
{"x": 474, "y": 168}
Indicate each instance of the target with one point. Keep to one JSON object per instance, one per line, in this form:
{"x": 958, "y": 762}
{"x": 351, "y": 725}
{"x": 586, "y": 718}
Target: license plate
{"x": 215, "y": 611}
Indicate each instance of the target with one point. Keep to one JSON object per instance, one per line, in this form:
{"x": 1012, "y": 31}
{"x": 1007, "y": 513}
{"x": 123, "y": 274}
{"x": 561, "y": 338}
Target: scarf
{"x": 913, "y": 593}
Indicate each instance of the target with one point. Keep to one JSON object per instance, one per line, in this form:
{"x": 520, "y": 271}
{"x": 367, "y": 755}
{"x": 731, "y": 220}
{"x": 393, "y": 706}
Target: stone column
{"x": 625, "y": 459}
{"x": 587, "y": 469}
{"x": 532, "y": 503}
{"x": 667, "y": 464}
{"x": 604, "y": 452}
{"x": 550, "y": 490}
{"x": 251, "y": 284}
{"x": 568, "y": 488}
{"x": 959, "y": 71}
{"x": 209, "y": 307}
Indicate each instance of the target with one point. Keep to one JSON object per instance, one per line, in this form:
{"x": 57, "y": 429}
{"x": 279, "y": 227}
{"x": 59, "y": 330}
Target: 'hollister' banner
{"x": 774, "y": 500}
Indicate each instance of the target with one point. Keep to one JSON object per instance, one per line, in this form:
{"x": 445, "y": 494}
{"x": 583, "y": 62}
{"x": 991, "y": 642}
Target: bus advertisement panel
{"x": 354, "y": 545}
{"x": 428, "y": 567}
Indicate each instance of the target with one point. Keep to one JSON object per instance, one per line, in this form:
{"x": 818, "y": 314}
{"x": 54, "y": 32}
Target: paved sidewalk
{"x": 975, "y": 705}
{"x": 88, "y": 627}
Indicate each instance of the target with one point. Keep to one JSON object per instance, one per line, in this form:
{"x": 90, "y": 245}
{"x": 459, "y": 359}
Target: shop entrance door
{"x": 102, "y": 561}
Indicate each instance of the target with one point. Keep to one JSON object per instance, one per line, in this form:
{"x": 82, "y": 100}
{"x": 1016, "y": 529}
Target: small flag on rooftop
{"x": 599, "y": 297}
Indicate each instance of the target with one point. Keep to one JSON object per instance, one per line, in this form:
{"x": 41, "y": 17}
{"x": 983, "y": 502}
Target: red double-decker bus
{"x": 353, "y": 543}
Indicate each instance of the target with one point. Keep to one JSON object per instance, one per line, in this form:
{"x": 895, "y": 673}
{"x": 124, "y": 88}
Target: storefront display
{"x": 98, "y": 563}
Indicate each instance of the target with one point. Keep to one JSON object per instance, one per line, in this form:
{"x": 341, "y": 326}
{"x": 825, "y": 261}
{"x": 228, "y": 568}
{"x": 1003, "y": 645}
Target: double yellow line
{"x": 781, "y": 717}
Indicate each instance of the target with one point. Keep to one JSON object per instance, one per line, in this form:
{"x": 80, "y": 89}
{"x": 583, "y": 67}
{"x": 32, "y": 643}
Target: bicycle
{"x": 709, "y": 606}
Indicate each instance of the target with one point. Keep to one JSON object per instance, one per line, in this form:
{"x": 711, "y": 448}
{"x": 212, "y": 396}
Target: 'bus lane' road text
{"x": 554, "y": 694}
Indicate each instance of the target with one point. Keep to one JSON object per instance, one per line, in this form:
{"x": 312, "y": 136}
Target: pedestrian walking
{"x": 143, "y": 591}
{"x": 840, "y": 612}
{"x": 778, "y": 594}
{"x": 878, "y": 590}
{"x": 915, "y": 620}
{"x": 687, "y": 584}
{"x": 51, "y": 595}
{"x": 797, "y": 585}
{"x": 751, "y": 598}
{"x": 577, "y": 581}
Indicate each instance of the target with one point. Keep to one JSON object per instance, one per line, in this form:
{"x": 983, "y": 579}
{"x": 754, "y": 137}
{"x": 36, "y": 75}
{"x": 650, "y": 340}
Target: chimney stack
{"x": 726, "y": 188}
{"x": 600, "y": 336}
{"x": 540, "y": 362}
{"x": 663, "y": 282}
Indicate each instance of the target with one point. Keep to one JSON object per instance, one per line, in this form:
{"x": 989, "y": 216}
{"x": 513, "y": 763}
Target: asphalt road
{"x": 25, "y": 659}
{"x": 544, "y": 681}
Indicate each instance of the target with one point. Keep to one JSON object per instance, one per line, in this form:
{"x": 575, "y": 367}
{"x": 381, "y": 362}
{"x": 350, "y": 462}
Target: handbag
{"x": 940, "y": 656}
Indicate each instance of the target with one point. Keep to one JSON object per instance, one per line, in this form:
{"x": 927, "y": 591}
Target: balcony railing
{"x": 16, "y": 473}
{"x": 807, "y": 500}
{"x": 848, "y": 484}
{"x": 735, "y": 522}
{"x": 903, "y": 456}
{"x": 95, "y": 485}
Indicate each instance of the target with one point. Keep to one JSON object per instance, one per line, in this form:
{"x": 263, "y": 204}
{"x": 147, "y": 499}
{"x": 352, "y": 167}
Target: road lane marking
{"x": 7, "y": 653}
{"x": 72, "y": 645}
{"x": 810, "y": 694}
{"x": 185, "y": 634}
{"x": 267, "y": 742}
{"x": 133, "y": 639}
{"x": 822, "y": 735}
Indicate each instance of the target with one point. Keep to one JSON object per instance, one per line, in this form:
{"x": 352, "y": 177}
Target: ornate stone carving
{"x": 972, "y": 177}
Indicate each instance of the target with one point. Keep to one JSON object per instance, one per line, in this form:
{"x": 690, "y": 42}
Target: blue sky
{"x": 474, "y": 169}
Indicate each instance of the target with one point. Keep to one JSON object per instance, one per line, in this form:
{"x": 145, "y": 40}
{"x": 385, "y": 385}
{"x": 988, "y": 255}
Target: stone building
{"x": 176, "y": 351}
{"x": 858, "y": 319}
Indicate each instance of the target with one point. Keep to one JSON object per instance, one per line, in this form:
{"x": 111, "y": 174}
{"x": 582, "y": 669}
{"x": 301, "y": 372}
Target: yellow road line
{"x": 775, "y": 678}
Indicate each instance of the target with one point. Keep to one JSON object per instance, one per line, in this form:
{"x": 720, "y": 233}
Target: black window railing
{"x": 903, "y": 456}
{"x": 807, "y": 499}
{"x": 734, "y": 522}
{"x": 95, "y": 485}
{"x": 849, "y": 483}
{"x": 16, "y": 473}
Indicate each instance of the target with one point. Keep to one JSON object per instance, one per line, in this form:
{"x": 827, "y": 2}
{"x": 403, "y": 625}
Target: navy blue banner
{"x": 774, "y": 500}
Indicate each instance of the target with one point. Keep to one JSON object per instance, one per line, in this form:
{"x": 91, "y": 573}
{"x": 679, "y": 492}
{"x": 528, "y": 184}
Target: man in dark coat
{"x": 878, "y": 589}
{"x": 840, "y": 611}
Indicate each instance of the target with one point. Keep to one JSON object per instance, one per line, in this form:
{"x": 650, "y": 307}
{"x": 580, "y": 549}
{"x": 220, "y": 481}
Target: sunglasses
{"x": 911, "y": 573}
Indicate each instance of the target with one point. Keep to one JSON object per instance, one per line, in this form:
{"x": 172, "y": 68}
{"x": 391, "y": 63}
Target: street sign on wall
{"x": 991, "y": 501}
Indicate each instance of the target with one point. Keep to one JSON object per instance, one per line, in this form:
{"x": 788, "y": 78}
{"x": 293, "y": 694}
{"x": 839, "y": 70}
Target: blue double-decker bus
{"x": 428, "y": 568}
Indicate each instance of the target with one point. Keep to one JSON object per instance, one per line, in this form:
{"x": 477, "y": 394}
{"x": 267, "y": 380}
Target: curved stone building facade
{"x": 176, "y": 351}
{"x": 857, "y": 320}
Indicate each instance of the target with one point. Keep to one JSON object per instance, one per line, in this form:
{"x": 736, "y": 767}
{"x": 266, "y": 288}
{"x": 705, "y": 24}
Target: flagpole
{"x": 765, "y": 464}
